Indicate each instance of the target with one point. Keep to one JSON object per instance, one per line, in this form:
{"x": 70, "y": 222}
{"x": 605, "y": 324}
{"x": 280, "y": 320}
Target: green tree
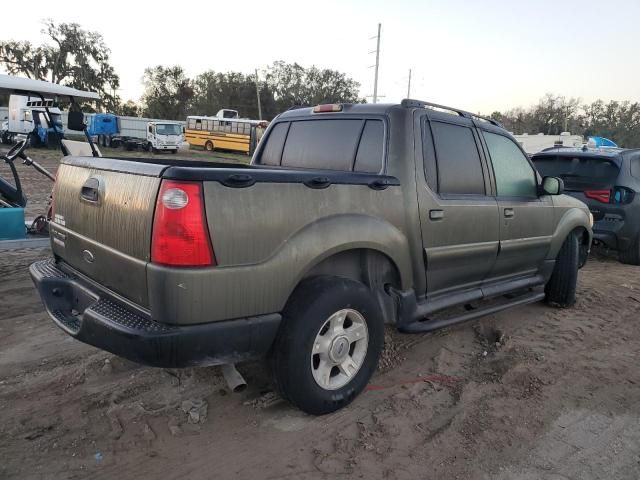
{"x": 73, "y": 56}
{"x": 215, "y": 90}
{"x": 293, "y": 85}
{"x": 168, "y": 93}
{"x": 129, "y": 109}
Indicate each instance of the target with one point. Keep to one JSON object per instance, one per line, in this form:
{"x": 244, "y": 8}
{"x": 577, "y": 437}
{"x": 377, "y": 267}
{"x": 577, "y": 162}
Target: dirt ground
{"x": 530, "y": 393}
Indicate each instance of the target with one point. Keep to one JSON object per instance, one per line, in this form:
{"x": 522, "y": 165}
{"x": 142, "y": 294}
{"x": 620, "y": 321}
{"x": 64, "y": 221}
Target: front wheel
{"x": 561, "y": 287}
{"x": 328, "y": 345}
{"x": 208, "y": 146}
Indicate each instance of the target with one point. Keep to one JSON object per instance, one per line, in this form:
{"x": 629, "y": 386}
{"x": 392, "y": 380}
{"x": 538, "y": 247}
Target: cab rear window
{"x": 328, "y": 144}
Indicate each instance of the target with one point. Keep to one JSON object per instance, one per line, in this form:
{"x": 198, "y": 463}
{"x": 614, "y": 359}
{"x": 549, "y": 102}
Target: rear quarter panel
{"x": 266, "y": 237}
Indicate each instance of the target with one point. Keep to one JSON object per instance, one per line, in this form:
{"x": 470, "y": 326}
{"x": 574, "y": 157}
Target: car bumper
{"x": 86, "y": 313}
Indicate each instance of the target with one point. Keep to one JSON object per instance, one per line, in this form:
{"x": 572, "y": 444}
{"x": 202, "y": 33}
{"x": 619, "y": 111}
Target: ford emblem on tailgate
{"x": 88, "y": 256}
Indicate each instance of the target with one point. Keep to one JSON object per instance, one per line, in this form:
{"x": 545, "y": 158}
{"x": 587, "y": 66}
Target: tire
{"x": 208, "y": 146}
{"x": 298, "y": 369}
{"x": 561, "y": 287}
{"x": 631, "y": 256}
{"x": 174, "y": 151}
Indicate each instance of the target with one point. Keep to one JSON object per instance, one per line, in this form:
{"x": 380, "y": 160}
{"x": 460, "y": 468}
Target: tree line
{"x": 553, "y": 114}
{"x": 80, "y": 58}
{"x": 170, "y": 94}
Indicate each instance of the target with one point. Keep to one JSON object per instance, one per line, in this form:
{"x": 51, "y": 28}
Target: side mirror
{"x": 75, "y": 121}
{"x": 552, "y": 186}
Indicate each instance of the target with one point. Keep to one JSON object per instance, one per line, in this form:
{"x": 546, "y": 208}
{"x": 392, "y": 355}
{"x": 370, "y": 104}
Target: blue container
{"x": 12, "y": 224}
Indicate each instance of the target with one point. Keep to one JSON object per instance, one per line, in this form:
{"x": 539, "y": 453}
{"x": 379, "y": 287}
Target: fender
{"x": 338, "y": 233}
{"x": 570, "y": 220}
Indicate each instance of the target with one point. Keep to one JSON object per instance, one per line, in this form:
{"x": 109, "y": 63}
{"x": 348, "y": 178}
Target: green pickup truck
{"x": 348, "y": 218}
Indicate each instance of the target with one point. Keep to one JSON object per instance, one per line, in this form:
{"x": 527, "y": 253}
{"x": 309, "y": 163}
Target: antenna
{"x": 409, "y": 85}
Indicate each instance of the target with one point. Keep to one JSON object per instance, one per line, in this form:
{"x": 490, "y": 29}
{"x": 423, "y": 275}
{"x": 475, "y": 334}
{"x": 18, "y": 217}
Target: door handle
{"x": 509, "y": 212}
{"x": 436, "y": 214}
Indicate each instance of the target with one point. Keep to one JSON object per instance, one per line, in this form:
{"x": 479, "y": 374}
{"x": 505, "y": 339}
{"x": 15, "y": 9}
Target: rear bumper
{"x": 94, "y": 318}
{"x": 617, "y": 235}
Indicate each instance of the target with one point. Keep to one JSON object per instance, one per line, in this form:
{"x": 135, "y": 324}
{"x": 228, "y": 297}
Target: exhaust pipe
{"x": 234, "y": 380}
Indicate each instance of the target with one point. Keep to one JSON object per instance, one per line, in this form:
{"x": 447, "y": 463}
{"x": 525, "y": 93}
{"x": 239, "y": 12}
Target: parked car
{"x": 608, "y": 181}
{"x": 349, "y": 217}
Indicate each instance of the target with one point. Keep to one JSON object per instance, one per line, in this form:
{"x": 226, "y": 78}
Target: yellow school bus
{"x": 213, "y": 133}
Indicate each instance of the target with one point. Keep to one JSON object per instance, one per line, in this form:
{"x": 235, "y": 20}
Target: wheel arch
{"x": 574, "y": 220}
{"x": 360, "y": 247}
{"x": 369, "y": 266}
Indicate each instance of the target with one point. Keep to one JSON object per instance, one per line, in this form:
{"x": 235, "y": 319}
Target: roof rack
{"x": 410, "y": 103}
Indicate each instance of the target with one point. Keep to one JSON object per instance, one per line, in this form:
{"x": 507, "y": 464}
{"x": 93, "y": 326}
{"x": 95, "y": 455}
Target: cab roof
{"x": 383, "y": 108}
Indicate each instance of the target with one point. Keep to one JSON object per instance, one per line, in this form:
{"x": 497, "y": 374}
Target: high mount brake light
{"x": 601, "y": 196}
{"x": 180, "y": 234}
{"x": 330, "y": 107}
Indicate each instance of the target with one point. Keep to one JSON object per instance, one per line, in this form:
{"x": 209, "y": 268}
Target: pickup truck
{"x": 348, "y": 218}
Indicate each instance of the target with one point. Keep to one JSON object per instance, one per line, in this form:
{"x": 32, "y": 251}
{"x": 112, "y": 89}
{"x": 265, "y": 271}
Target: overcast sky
{"x": 480, "y": 55}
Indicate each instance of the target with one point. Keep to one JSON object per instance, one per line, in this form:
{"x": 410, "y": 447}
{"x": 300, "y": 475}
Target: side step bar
{"x": 418, "y": 326}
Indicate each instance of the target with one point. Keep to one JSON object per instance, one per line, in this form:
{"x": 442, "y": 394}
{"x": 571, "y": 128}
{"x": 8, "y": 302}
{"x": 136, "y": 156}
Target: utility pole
{"x": 258, "y": 95}
{"x": 375, "y": 81}
{"x": 409, "y": 85}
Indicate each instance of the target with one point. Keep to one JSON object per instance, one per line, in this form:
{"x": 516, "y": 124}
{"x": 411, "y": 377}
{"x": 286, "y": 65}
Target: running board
{"x": 418, "y": 326}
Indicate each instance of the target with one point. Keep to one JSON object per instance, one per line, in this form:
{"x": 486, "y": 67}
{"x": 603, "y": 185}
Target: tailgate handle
{"x": 318, "y": 182}
{"x": 509, "y": 212}
{"x": 239, "y": 180}
{"x": 90, "y": 191}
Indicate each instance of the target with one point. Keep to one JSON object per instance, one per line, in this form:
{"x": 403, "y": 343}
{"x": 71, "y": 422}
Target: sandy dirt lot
{"x": 530, "y": 393}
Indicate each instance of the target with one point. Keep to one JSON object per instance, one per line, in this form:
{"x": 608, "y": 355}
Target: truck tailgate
{"x": 103, "y": 217}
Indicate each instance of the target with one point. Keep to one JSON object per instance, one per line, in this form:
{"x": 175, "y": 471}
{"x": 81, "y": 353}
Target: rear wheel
{"x": 561, "y": 287}
{"x": 631, "y": 256}
{"x": 208, "y": 146}
{"x": 328, "y": 345}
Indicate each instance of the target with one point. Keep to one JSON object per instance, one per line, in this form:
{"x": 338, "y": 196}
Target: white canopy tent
{"x": 11, "y": 84}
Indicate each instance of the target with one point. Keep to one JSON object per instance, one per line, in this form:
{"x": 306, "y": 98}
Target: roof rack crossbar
{"x": 411, "y": 103}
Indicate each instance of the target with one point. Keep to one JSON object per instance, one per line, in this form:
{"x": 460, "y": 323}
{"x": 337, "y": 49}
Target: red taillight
{"x": 599, "y": 195}
{"x": 329, "y": 107}
{"x": 180, "y": 234}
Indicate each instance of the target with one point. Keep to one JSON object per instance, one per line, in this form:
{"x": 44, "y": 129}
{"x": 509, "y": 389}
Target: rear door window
{"x": 458, "y": 160}
{"x": 328, "y": 144}
{"x": 514, "y": 175}
{"x": 578, "y": 172}
{"x": 272, "y": 152}
{"x": 369, "y": 156}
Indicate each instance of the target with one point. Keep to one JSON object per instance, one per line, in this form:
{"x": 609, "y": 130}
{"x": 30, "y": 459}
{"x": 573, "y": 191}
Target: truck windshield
{"x": 579, "y": 173}
{"x": 168, "y": 129}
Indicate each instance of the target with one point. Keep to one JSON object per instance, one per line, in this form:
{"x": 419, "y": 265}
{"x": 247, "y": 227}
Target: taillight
{"x": 622, "y": 195}
{"x": 599, "y": 195}
{"x": 180, "y": 234}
